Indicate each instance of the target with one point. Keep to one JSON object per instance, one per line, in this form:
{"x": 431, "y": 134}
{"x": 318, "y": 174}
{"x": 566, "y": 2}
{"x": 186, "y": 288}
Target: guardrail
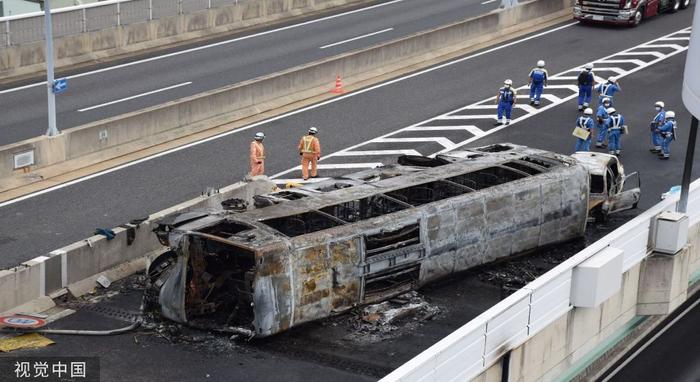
{"x": 478, "y": 345}
{"x": 29, "y": 27}
{"x": 106, "y": 139}
{"x": 76, "y": 266}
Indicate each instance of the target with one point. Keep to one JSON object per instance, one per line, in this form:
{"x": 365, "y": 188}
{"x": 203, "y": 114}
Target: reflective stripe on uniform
{"x": 307, "y": 140}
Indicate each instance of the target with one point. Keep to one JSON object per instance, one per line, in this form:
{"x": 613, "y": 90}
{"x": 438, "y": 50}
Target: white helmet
{"x": 540, "y": 64}
{"x": 313, "y": 130}
{"x": 588, "y": 111}
{"x": 259, "y": 136}
{"x": 588, "y": 66}
{"x": 610, "y": 110}
{"x": 612, "y": 79}
{"x": 606, "y": 100}
{"x": 659, "y": 104}
{"x": 508, "y": 82}
{"x": 670, "y": 114}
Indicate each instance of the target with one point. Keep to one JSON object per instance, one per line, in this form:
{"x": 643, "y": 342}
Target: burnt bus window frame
{"x": 488, "y": 177}
{"x": 365, "y": 208}
{"x": 225, "y": 228}
{"x": 429, "y": 192}
{"x": 525, "y": 167}
{"x": 303, "y": 223}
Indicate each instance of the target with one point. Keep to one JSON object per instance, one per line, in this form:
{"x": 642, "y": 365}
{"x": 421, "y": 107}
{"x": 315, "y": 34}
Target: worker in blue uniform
{"x": 614, "y": 123}
{"x": 659, "y": 119}
{"x": 667, "y": 132}
{"x": 537, "y": 82}
{"x": 505, "y": 99}
{"x": 608, "y": 89}
{"x": 585, "y": 86}
{"x": 585, "y": 122}
{"x": 601, "y": 117}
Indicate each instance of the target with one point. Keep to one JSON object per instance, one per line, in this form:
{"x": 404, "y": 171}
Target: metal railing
{"x": 471, "y": 349}
{"x": 29, "y": 27}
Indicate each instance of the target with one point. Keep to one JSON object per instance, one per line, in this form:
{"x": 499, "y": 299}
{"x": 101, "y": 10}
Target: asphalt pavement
{"x": 672, "y": 357}
{"x": 37, "y": 225}
{"x": 104, "y": 91}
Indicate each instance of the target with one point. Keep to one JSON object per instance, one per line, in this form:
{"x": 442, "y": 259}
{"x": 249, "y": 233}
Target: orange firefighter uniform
{"x": 257, "y": 158}
{"x": 310, "y": 150}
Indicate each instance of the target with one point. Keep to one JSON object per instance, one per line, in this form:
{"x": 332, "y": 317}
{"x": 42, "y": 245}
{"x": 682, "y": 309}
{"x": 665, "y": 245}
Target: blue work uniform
{"x": 667, "y": 134}
{"x": 506, "y": 99}
{"x": 538, "y": 80}
{"x": 585, "y": 88}
{"x": 607, "y": 90}
{"x": 614, "y": 124}
{"x": 601, "y": 117}
{"x": 655, "y": 125}
{"x": 584, "y": 123}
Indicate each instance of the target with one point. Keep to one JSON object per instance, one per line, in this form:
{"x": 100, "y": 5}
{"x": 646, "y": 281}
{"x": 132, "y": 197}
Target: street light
{"x": 691, "y": 100}
{"x": 52, "y": 130}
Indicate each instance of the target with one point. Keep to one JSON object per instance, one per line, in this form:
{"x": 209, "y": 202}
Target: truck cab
{"x": 610, "y": 190}
{"x": 624, "y": 12}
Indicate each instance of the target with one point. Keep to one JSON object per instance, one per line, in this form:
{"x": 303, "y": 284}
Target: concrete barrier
{"x": 102, "y": 140}
{"x": 75, "y": 267}
{"x": 550, "y": 336}
{"x": 29, "y": 58}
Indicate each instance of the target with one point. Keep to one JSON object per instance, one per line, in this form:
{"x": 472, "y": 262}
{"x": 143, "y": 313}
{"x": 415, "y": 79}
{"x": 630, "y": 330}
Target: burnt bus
{"x": 306, "y": 253}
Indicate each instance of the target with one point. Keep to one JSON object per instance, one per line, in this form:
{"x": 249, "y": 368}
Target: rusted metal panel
{"x": 307, "y": 253}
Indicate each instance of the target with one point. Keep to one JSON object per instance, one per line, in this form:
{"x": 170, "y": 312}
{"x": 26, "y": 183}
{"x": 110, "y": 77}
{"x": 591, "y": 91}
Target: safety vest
{"x": 260, "y": 155}
{"x": 604, "y": 89}
{"x": 583, "y": 122}
{"x": 307, "y": 141}
{"x": 615, "y": 122}
{"x": 507, "y": 95}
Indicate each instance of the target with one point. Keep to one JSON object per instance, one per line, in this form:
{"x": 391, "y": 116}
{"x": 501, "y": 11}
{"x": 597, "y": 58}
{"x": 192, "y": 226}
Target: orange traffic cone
{"x": 338, "y": 85}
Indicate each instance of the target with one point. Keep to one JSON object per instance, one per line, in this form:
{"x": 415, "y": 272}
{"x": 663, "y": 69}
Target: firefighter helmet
{"x": 540, "y": 64}
{"x": 313, "y": 130}
{"x": 670, "y": 114}
{"x": 588, "y": 111}
{"x": 259, "y": 136}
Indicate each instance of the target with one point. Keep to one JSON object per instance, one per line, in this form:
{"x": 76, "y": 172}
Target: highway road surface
{"x": 37, "y": 224}
{"x": 444, "y": 107}
{"x": 108, "y": 90}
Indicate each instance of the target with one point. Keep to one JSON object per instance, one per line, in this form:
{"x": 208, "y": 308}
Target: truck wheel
{"x": 638, "y": 16}
{"x": 675, "y": 7}
{"x": 684, "y": 4}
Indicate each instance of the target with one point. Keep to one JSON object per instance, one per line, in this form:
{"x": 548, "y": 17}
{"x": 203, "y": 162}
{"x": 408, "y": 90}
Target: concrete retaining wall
{"x": 85, "y": 145}
{"x": 76, "y": 266}
{"x": 29, "y": 58}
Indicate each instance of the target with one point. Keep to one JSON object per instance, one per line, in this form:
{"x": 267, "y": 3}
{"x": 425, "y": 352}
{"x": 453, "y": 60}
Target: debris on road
{"x": 24, "y": 341}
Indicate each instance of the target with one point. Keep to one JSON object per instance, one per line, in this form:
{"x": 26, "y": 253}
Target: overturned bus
{"x": 306, "y": 253}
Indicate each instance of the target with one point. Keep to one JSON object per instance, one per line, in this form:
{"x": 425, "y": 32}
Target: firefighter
{"x": 585, "y": 122}
{"x": 537, "y": 81}
{"x": 614, "y": 123}
{"x": 657, "y": 122}
{"x": 585, "y": 86}
{"x": 667, "y": 132}
{"x": 601, "y": 117}
{"x": 505, "y": 99}
{"x": 608, "y": 89}
{"x": 310, "y": 151}
{"x": 257, "y": 155}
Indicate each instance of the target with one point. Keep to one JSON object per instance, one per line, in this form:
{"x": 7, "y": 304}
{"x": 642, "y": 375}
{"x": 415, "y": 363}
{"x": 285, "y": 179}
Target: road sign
{"x": 60, "y": 85}
{"x": 22, "y": 322}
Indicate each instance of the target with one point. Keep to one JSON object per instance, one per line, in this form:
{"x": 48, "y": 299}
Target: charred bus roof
{"x": 306, "y": 253}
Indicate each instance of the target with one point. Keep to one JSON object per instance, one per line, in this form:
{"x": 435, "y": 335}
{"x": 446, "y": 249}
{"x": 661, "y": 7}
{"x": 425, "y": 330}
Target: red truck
{"x": 626, "y": 12}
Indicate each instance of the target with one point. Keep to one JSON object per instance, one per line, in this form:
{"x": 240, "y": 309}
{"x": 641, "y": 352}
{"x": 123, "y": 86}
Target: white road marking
{"x": 641, "y": 53}
{"x": 357, "y": 38}
{"x": 135, "y": 96}
{"x": 379, "y": 152}
{"x": 651, "y": 340}
{"x": 173, "y": 54}
{"x": 286, "y": 115}
{"x": 487, "y": 2}
{"x": 631, "y": 61}
{"x": 677, "y": 39}
{"x": 487, "y": 103}
{"x": 470, "y": 128}
{"x": 442, "y": 141}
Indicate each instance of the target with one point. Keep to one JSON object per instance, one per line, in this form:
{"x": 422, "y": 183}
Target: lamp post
{"x": 691, "y": 100}
{"x": 52, "y": 130}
